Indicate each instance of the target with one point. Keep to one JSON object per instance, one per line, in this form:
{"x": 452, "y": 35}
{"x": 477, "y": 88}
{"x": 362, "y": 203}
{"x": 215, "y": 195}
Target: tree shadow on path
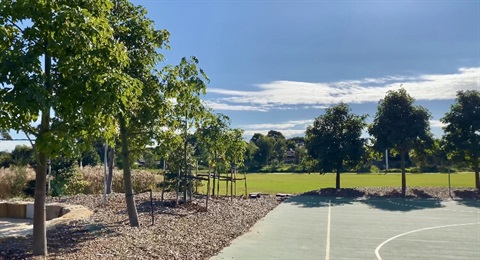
{"x": 326, "y": 197}
{"x": 469, "y": 198}
{"x": 391, "y": 200}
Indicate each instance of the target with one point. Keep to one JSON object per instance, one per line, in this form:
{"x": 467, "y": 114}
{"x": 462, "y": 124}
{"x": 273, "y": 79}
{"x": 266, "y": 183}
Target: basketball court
{"x": 314, "y": 227}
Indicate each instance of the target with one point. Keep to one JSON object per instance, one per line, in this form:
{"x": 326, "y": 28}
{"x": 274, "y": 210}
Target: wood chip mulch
{"x": 183, "y": 232}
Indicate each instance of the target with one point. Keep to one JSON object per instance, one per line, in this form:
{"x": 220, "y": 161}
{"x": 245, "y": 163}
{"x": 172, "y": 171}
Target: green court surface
{"x": 313, "y": 227}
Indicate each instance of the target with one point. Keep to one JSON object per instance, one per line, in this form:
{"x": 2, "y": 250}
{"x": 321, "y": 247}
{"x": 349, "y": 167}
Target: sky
{"x": 276, "y": 65}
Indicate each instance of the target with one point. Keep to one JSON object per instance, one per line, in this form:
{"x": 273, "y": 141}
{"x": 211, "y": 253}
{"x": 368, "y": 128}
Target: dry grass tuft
{"x": 14, "y": 180}
{"x": 142, "y": 180}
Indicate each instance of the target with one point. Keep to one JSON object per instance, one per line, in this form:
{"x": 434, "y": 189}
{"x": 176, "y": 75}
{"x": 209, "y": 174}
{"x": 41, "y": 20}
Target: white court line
{"x": 327, "y": 250}
{"x": 415, "y": 231}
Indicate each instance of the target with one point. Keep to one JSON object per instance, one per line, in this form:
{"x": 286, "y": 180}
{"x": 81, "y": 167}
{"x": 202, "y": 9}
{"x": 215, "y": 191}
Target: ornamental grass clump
{"x": 14, "y": 180}
{"x": 142, "y": 180}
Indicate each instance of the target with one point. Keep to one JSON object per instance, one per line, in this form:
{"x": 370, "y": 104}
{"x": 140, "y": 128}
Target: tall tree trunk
{"x": 185, "y": 169}
{"x": 111, "y": 154}
{"x": 337, "y": 179}
{"x": 127, "y": 175}
{"x": 39, "y": 218}
{"x": 477, "y": 177}
{"x": 404, "y": 179}
{"x": 214, "y": 174}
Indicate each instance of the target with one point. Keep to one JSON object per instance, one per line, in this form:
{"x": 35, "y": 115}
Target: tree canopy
{"x": 462, "y": 130}
{"x": 60, "y": 57}
{"x": 400, "y": 125}
{"x": 335, "y": 140}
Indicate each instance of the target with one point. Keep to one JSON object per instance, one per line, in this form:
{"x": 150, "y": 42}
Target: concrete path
{"x": 11, "y": 227}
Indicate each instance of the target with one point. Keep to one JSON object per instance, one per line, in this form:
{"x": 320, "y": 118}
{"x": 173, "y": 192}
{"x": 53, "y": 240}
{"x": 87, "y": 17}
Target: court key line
{"x": 415, "y": 231}
{"x": 327, "y": 250}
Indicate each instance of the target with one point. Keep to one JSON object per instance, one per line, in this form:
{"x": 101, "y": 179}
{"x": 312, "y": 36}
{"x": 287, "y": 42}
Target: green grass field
{"x": 298, "y": 183}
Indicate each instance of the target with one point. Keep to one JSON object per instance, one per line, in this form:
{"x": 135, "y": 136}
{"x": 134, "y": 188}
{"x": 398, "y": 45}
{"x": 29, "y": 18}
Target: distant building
{"x": 140, "y": 162}
{"x": 290, "y": 156}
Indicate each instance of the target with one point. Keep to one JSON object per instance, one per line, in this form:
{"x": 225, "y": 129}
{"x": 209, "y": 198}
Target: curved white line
{"x": 414, "y": 231}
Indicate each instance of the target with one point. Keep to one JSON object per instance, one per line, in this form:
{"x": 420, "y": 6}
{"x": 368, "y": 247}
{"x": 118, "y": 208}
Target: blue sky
{"x": 275, "y": 65}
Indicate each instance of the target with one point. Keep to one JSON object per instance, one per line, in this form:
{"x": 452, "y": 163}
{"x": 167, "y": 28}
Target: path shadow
{"x": 61, "y": 239}
{"x": 326, "y": 197}
{"x": 402, "y": 204}
{"x": 332, "y": 192}
{"x": 312, "y": 201}
{"x": 469, "y": 198}
{"x": 467, "y": 194}
{"x": 391, "y": 200}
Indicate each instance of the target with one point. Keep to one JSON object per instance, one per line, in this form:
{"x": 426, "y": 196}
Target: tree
{"x": 4, "y": 135}
{"x": 334, "y": 139}
{"x": 462, "y": 133}
{"x": 250, "y": 162}
{"x": 90, "y": 157}
{"x": 133, "y": 29}
{"x": 234, "y": 154}
{"x": 60, "y": 57}
{"x": 431, "y": 158}
{"x": 201, "y": 154}
{"x": 213, "y": 135}
{"x": 150, "y": 112}
{"x": 236, "y": 148}
{"x": 5, "y": 159}
{"x": 186, "y": 83}
{"x": 22, "y": 155}
{"x": 276, "y": 135}
{"x": 279, "y": 146}
{"x": 265, "y": 146}
{"x": 400, "y": 125}
{"x": 295, "y": 142}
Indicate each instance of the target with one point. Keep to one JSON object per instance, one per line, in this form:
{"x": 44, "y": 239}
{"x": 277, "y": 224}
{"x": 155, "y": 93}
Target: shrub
{"x": 30, "y": 189}
{"x": 5, "y": 159}
{"x": 67, "y": 181}
{"x": 94, "y": 176}
{"x": 374, "y": 169}
{"x": 143, "y": 180}
{"x": 14, "y": 180}
{"x": 20, "y": 179}
{"x": 414, "y": 170}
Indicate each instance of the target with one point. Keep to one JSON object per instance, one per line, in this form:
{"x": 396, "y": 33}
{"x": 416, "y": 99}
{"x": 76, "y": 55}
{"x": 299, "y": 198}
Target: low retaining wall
{"x": 55, "y": 212}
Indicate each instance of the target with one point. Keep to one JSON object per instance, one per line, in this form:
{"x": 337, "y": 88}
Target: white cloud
{"x": 288, "y": 129}
{"x": 223, "y": 106}
{"x": 278, "y": 126}
{"x": 288, "y": 94}
{"x": 436, "y": 123}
